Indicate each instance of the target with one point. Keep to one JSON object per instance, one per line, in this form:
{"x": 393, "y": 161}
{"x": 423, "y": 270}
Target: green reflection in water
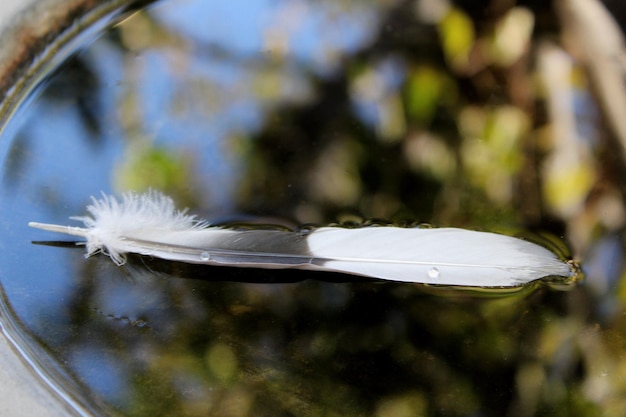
{"x": 401, "y": 124}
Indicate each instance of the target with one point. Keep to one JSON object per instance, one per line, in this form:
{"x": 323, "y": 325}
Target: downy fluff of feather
{"x": 148, "y": 215}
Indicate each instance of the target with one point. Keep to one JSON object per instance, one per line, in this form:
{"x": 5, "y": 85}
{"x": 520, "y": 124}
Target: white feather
{"x": 436, "y": 256}
{"x": 150, "y": 224}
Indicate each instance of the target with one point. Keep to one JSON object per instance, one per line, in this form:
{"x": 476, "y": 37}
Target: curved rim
{"x": 39, "y": 34}
{"x": 35, "y": 37}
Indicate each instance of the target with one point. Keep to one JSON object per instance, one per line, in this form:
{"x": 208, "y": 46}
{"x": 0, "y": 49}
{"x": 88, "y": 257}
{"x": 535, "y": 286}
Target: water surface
{"x": 300, "y": 112}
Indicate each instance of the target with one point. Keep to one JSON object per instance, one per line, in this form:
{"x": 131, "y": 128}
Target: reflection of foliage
{"x": 156, "y": 168}
{"x": 76, "y": 82}
{"x": 388, "y": 172}
{"x": 214, "y": 346}
{"x": 450, "y": 115}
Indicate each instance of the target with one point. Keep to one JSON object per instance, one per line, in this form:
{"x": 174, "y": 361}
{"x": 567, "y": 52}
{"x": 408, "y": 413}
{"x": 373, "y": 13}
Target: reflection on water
{"x": 318, "y": 112}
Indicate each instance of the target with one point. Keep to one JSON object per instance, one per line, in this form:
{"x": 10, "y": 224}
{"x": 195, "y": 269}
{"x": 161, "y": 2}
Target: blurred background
{"x": 492, "y": 115}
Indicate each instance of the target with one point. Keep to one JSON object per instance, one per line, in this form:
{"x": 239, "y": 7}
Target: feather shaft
{"x": 68, "y": 230}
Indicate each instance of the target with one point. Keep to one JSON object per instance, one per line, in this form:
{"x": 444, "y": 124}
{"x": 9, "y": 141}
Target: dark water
{"x": 307, "y": 112}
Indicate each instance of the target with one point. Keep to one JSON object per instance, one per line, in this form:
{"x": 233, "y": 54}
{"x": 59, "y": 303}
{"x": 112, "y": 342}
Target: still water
{"x": 295, "y": 113}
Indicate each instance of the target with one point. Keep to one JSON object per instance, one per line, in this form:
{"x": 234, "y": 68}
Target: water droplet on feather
{"x": 433, "y": 273}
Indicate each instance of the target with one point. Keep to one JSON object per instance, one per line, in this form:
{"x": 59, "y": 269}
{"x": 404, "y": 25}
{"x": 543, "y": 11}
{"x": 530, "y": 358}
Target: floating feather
{"x": 149, "y": 224}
